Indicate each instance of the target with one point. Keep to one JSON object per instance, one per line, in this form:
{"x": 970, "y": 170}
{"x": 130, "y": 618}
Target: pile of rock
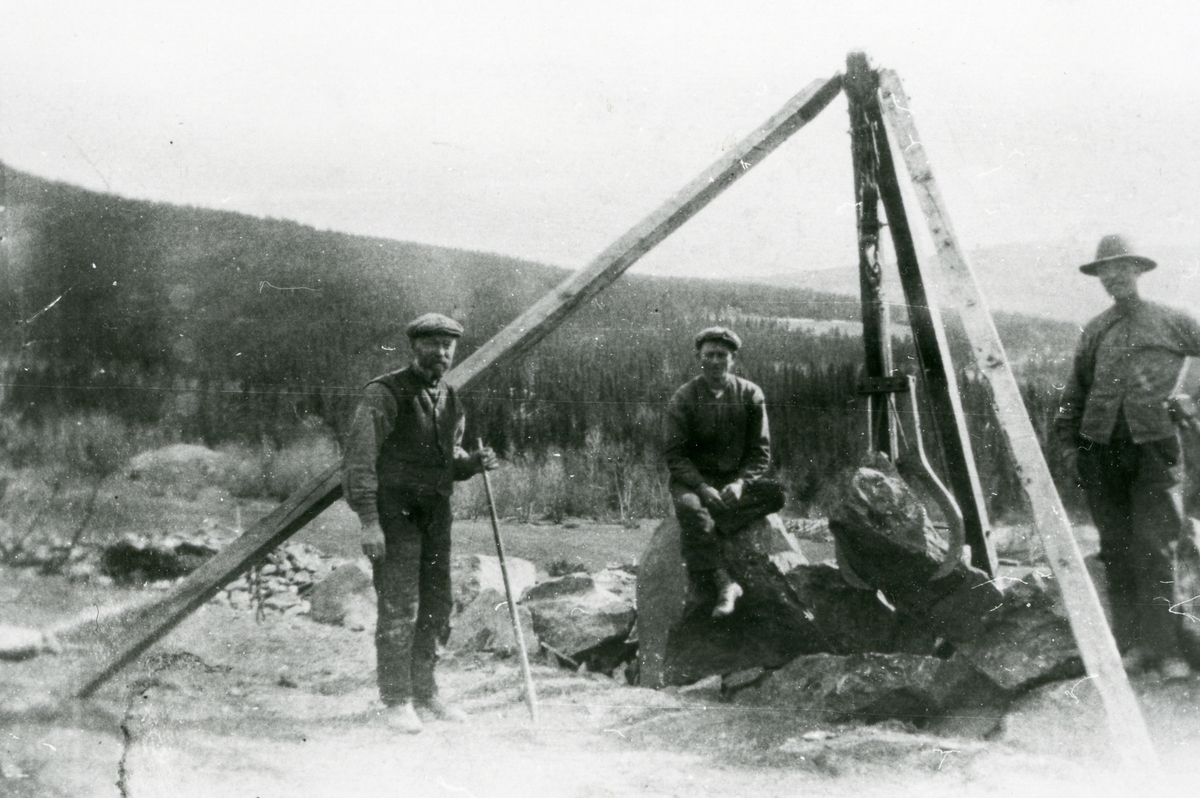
{"x": 285, "y": 582}
{"x": 585, "y": 620}
{"x": 900, "y": 636}
{"x": 140, "y": 560}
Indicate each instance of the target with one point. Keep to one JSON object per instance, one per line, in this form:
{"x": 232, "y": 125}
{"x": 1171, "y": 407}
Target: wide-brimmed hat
{"x": 433, "y": 324}
{"x": 722, "y": 335}
{"x": 1115, "y": 249}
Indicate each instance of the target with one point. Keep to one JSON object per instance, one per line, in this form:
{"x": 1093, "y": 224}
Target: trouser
{"x": 1135, "y": 494}
{"x": 699, "y": 527}
{"x": 412, "y": 582}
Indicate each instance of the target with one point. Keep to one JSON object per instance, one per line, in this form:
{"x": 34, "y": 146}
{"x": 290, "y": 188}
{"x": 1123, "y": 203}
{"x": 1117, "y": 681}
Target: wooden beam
{"x": 133, "y": 634}
{"x": 861, "y": 87}
{"x": 550, "y": 310}
{"x": 1096, "y": 643}
{"x": 126, "y": 637}
{"x": 933, "y": 352}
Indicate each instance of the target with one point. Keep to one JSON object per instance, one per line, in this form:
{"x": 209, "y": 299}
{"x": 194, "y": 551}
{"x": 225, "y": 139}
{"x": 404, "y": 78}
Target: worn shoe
{"x": 440, "y": 710}
{"x": 1135, "y": 660}
{"x": 403, "y": 717}
{"x": 727, "y": 598}
{"x": 1174, "y": 669}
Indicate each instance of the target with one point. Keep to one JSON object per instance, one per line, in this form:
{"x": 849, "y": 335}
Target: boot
{"x": 1174, "y": 669}
{"x": 728, "y": 592}
{"x": 403, "y": 717}
{"x": 441, "y": 710}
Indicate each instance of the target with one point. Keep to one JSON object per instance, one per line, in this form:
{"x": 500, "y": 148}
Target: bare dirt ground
{"x": 225, "y": 706}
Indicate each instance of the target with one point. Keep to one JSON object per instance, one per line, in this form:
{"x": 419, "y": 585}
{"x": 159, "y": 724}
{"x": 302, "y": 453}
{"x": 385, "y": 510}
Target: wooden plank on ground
{"x": 135, "y": 633}
{"x": 1096, "y": 643}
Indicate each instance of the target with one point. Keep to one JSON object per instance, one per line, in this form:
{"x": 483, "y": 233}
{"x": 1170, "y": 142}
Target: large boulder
{"x": 888, "y": 540}
{"x": 472, "y": 574}
{"x": 345, "y": 598}
{"x": 486, "y": 625}
{"x": 573, "y": 616}
{"x": 617, "y": 581}
{"x": 850, "y": 620}
{"x": 679, "y": 641}
{"x": 1028, "y": 640}
{"x": 869, "y": 686}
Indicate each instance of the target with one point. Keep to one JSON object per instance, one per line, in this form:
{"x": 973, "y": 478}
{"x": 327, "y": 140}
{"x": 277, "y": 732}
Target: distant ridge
{"x": 1039, "y": 279}
{"x": 103, "y": 291}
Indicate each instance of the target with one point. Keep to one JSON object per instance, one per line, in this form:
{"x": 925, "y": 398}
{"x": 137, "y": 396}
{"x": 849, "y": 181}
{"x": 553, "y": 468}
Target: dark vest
{"x": 420, "y": 451}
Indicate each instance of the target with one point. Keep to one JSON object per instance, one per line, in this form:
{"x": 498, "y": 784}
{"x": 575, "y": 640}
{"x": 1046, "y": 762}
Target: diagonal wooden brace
{"x": 1096, "y": 643}
{"x": 126, "y": 638}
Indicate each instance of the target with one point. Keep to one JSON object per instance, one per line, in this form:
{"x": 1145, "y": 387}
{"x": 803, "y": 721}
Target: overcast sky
{"x": 544, "y": 130}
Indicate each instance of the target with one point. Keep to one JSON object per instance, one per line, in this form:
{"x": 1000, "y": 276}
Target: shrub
{"x": 268, "y": 472}
{"x": 604, "y": 480}
{"x": 90, "y": 445}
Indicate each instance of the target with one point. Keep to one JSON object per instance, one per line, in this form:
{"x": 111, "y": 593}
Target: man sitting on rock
{"x": 718, "y": 448}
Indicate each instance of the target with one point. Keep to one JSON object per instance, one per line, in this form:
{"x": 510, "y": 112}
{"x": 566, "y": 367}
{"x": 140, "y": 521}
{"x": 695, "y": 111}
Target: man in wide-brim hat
{"x": 403, "y": 454}
{"x": 1115, "y": 424}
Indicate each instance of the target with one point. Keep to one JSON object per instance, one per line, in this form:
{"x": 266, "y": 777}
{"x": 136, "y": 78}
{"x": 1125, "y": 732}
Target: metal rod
{"x": 530, "y": 693}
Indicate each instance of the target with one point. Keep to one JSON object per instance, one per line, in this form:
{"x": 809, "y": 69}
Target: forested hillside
{"x": 213, "y": 327}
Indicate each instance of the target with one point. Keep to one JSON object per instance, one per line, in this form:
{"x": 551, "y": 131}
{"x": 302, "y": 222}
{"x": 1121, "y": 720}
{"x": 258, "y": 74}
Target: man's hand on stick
{"x": 485, "y": 459}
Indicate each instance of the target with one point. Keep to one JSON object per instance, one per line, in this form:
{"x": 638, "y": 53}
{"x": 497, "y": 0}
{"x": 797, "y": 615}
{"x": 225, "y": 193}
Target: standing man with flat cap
{"x": 403, "y": 456}
{"x": 1114, "y": 422}
{"x": 718, "y": 449}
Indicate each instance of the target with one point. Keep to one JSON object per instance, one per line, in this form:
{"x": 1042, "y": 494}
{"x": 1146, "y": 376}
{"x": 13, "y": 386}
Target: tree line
{"x": 223, "y": 327}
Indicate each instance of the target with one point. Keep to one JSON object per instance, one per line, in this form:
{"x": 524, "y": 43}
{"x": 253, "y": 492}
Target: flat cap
{"x": 433, "y": 324}
{"x": 722, "y": 335}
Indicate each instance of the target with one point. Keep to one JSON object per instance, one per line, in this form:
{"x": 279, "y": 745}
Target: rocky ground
{"x": 233, "y": 703}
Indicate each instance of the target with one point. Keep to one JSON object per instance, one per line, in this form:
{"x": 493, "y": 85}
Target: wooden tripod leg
{"x": 933, "y": 352}
{"x": 1096, "y": 643}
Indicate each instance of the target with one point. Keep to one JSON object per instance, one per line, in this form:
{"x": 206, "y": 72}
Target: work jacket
{"x": 1127, "y": 363}
{"x": 713, "y": 440}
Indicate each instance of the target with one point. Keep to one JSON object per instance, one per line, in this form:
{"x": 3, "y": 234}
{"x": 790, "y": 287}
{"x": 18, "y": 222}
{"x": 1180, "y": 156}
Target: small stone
{"x": 17, "y": 643}
{"x": 281, "y": 601}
